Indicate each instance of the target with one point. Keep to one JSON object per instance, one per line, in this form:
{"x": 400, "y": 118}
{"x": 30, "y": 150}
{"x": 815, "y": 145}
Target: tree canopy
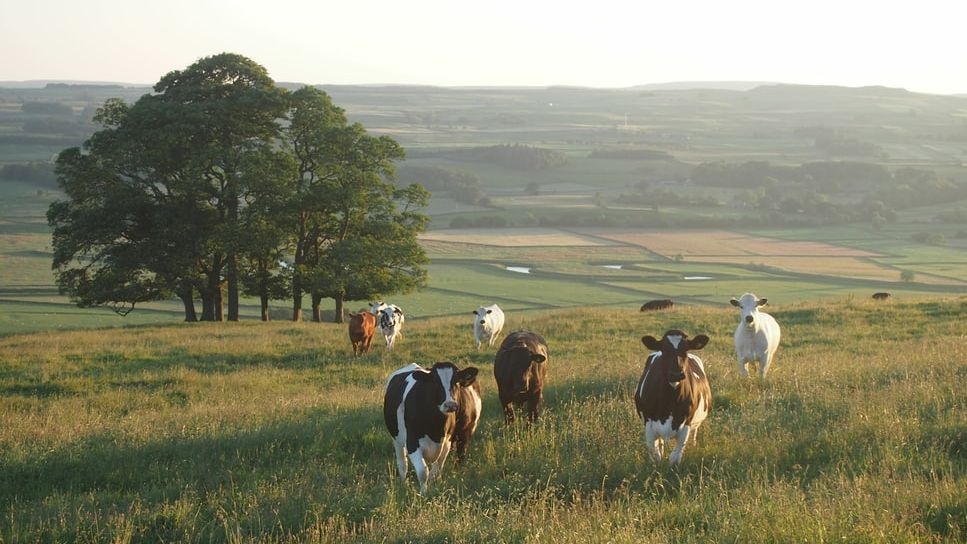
{"x": 221, "y": 182}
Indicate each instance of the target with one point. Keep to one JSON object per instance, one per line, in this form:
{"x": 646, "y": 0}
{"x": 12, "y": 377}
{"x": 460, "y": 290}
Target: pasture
{"x": 250, "y": 432}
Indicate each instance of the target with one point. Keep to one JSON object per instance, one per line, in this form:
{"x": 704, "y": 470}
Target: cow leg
{"x": 509, "y": 412}
{"x": 765, "y": 361}
{"x": 477, "y": 341}
{"x": 534, "y": 405}
{"x": 676, "y": 455}
{"x": 401, "y": 464}
{"x": 419, "y": 466}
{"x": 653, "y": 443}
{"x": 742, "y": 371}
{"x": 437, "y": 465}
{"x": 460, "y": 444}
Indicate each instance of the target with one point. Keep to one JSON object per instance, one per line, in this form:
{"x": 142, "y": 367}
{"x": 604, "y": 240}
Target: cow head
{"x": 376, "y": 307}
{"x": 673, "y": 348}
{"x": 390, "y": 316}
{"x": 521, "y": 361}
{"x": 481, "y": 314}
{"x": 447, "y": 379}
{"x": 749, "y": 304}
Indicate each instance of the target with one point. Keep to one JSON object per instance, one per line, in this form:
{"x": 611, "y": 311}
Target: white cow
{"x": 488, "y": 321}
{"x": 757, "y": 336}
{"x": 390, "y": 320}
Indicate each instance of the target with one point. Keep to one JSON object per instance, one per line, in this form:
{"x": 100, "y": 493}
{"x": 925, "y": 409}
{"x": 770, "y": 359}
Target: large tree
{"x": 312, "y": 119}
{"x": 344, "y": 204}
{"x": 217, "y": 178}
{"x": 176, "y": 162}
{"x": 234, "y": 108}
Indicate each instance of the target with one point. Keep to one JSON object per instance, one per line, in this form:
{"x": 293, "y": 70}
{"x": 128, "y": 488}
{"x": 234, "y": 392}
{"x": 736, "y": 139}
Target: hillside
{"x": 816, "y": 192}
{"x": 272, "y": 433}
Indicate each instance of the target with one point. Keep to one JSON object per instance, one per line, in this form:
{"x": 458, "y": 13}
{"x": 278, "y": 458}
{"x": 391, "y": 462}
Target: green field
{"x": 253, "y": 432}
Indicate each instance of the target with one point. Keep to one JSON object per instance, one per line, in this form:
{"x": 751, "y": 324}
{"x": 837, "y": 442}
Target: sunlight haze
{"x": 500, "y": 43}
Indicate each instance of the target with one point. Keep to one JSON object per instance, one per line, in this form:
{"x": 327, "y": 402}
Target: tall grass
{"x": 256, "y": 432}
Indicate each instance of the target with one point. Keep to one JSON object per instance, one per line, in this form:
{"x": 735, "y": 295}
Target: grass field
{"x": 254, "y": 432}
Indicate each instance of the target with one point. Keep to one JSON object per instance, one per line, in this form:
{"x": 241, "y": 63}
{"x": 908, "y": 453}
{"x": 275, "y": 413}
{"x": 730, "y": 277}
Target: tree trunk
{"x": 211, "y": 296}
{"x": 207, "y": 305}
{"x": 231, "y": 274}
{"x": 339, "y": 310}
{"x": 219, "y": 304}
{"x": 189, "y": 302}
{"x": 265, "y": 305}
{"x": 296, "y": 298}
{"x": 316, "y": 311}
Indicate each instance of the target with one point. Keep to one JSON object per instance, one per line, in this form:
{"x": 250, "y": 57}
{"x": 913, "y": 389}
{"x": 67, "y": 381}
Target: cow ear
{"x": 467, "y": 376}
{"x": 538, "y": 358}
{"x": 651, "y": 343}
{"x": 698, "y": 342}
{"x": 761, "y": 302}
{"x": 397, "y": 311}
{"x": 734, "y": 302}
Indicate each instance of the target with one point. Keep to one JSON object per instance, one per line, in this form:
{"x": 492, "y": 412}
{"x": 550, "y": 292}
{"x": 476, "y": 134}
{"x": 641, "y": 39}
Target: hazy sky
{"x": 915, "y": 45}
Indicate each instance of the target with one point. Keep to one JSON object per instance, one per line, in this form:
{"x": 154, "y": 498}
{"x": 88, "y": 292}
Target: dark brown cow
{"x": 673, "y": 396}
{"x": 362, "y": 326}
{"x": 881, "y": 296}
{"x": 652, "y": 305}
{"x": 520, "y": 368}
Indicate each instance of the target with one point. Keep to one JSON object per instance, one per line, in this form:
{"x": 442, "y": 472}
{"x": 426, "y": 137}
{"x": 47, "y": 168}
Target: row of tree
{"x": 221, "y": 184}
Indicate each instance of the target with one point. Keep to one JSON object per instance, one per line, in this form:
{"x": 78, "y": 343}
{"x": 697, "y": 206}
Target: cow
{"x": 652, "y": 305}
{"x": 881, "y": 296}
{"x": 520, "y": 369}
{"x": 756, "y": 336}
{"x": 390, "y": 320}
{"x": 362, "y": 326}
{"x": 426, "y": 412}
{"x": 488, "y": 321}
{"x": 673, "y": 396}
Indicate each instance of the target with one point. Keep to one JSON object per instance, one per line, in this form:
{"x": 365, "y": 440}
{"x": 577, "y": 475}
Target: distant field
{"x": 726, "y": 243}
{"x": 513, "y": 237}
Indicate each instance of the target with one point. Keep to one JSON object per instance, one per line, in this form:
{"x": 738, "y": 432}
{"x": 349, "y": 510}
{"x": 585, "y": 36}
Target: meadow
{"x": 250, "y": 432}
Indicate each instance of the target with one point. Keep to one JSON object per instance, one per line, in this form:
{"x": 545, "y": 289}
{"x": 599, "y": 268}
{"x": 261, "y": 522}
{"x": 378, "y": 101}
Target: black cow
{"x": 520, "y": 368}
{"x": 673, "y": 396}
{"x": 652, "y": 305}
{"x": 881, "y": 296}
{"x": 427, "y": 410}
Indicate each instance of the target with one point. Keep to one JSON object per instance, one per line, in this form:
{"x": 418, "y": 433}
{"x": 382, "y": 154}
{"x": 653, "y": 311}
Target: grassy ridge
{"x": 255, "y": 432}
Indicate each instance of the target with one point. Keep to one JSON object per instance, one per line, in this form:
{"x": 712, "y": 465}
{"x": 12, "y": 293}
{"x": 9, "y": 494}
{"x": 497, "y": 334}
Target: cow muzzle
{"x": 749, "y": 319}
{"x": 482, "y": 322}
{"x": 449, "y": 407}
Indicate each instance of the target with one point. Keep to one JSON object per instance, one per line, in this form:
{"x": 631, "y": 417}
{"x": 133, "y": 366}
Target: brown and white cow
{"x": 362, "y": 327}
{"x": 426, "y": 412}
{"x": 673, "y": 396}
{"x": 520, "y": 368}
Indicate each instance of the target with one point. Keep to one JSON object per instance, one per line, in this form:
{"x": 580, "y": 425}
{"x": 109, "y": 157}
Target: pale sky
{"x": 920, "y": 46}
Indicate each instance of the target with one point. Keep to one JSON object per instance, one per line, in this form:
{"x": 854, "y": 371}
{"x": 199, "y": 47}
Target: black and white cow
{"x": 427, "y": 411}
{"x": 673, "y": 396}
{"x": 389, "y": 318}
